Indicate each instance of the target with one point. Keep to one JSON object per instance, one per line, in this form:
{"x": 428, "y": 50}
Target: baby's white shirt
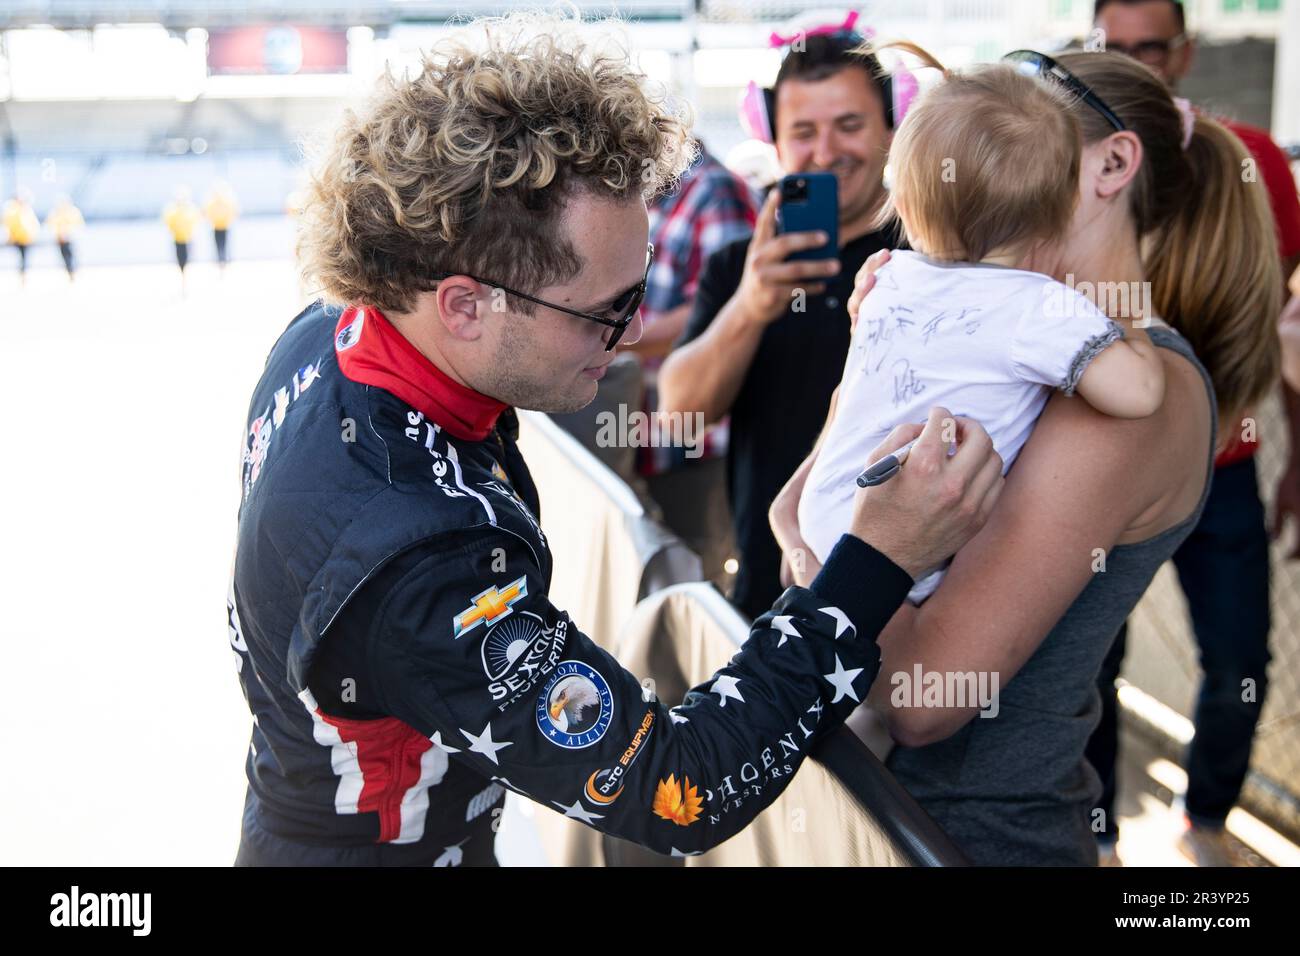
{"x": 986, "y": 342}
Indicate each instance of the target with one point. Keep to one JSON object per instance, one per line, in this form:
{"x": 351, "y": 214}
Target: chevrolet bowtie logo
{"x": 489, "y": 605}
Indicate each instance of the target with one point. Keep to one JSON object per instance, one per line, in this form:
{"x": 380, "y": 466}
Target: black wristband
{"x": 863, "y": 583}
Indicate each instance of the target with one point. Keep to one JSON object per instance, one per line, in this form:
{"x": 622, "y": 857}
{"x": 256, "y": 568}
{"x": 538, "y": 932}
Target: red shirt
{"x": 1276, "y": 171}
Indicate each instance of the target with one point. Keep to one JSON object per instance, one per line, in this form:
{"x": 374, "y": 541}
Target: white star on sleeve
{"x": 726, "y": 686}
{"x": 515, "y": 788}
{"x": 484, "y": 744}
{"x": 842, "y": 622}
{"x": 578, "y": 812}
{"x": 678, "y": 718}
{"x": 437, "y": 742}
{"x": 842, "y": 681}
{"x": 785, "y": 624}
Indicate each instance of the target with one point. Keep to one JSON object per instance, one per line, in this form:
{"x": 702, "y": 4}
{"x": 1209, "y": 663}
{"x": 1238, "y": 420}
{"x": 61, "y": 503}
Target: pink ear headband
{"x": 754, "y": 118}
{"x": 757, "y": 103}
{"x": 776, "y": 40}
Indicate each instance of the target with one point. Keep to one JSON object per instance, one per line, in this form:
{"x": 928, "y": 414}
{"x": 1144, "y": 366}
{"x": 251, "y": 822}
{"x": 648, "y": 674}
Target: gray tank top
{"x": 1015, "y": 789}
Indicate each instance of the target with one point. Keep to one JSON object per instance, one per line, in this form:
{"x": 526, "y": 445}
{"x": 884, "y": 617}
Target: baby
{"x": 986, "y": 171}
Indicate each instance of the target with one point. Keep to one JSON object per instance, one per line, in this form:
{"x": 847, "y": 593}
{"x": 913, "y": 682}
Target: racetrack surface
{"x": 124, "y": 408}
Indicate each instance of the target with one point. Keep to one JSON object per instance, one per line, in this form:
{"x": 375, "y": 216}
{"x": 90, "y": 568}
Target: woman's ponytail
{"x": 1214, "y": 269}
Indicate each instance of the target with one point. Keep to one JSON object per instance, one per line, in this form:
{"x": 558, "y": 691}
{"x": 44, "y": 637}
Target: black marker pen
{"x": 886, "y": 468}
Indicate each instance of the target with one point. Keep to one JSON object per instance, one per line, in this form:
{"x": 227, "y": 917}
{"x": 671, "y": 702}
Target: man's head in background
{"x": 831, "y": 117}
{"x": 1154, "y": 32}
{"x": 521, "y": 153}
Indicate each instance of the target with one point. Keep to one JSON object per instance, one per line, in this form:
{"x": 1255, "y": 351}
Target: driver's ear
{"x": 458, "y": 301}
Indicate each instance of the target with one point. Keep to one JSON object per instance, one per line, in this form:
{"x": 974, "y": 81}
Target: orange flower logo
{"x": 677, "y": 804}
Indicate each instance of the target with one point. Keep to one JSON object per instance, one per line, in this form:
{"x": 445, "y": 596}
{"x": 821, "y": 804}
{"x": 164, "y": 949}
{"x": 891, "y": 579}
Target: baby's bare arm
{"x": 1126, "y": 379}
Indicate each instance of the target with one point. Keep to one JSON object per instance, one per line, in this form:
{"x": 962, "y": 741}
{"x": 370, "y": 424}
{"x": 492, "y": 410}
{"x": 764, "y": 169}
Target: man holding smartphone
{"x": 767, "y": 337}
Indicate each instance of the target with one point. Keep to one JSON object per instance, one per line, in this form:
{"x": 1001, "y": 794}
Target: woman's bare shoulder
{"x": 1159, "y": 462}
{"x": 1181, "y": 443}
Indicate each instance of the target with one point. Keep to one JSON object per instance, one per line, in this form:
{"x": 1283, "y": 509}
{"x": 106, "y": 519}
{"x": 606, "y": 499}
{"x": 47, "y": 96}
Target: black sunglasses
{"x": 1031, "y": 63}
{"x": 624, "y": 306}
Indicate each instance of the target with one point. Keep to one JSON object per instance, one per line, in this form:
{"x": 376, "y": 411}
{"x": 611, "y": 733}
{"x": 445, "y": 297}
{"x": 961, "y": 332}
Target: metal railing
{"x": 916, "y": 836}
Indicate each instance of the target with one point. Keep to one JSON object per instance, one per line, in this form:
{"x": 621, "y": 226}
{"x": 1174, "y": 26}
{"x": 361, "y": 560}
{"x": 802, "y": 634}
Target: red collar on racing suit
{"x": 371, "y": 351}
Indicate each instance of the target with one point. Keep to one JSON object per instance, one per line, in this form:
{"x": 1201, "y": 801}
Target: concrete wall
{"x": 1235, "y": 79}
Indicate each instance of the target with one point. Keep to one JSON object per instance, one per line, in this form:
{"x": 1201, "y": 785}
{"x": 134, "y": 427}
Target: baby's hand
{"x": 863, "y": 283}
{"x": 783, "y": 515}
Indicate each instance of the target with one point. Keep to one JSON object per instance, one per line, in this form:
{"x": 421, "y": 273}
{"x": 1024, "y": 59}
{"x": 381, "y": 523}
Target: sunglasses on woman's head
{"x": 624, "y": 307}
{"x": 1032, "y": 63}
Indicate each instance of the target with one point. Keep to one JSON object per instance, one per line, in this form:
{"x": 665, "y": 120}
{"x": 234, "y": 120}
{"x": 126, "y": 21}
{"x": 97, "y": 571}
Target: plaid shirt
{"x": 711, "y": 208}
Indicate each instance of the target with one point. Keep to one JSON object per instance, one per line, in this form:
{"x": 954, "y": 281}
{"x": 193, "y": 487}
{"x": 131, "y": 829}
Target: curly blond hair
{"x": 465, "y": 167}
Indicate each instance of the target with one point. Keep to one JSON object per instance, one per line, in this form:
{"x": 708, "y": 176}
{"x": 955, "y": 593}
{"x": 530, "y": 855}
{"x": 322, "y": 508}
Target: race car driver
{"x": 479, "y": 235}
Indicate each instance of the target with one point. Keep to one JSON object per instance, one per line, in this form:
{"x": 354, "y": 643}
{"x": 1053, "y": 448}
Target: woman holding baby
{"x": 1006, "y": 178}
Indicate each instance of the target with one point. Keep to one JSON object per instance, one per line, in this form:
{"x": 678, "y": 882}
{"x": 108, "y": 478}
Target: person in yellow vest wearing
{"x": 221, "y": 210}
{"x": 22, "y": 227}
{"x": 181, "y": 217}
{"x": 65, "y": 221}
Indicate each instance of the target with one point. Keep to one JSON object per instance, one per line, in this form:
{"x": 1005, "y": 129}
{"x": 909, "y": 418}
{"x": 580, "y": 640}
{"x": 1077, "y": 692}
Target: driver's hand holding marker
{"x": 929, "y": 509}
{"x": 938, "y": 501}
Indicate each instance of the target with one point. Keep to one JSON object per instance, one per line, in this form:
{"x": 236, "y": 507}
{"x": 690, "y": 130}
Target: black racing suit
{"x": 405, "y": 666}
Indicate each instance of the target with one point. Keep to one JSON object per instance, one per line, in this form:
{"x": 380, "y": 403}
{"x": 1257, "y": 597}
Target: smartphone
{"x": 810, "y": 202}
